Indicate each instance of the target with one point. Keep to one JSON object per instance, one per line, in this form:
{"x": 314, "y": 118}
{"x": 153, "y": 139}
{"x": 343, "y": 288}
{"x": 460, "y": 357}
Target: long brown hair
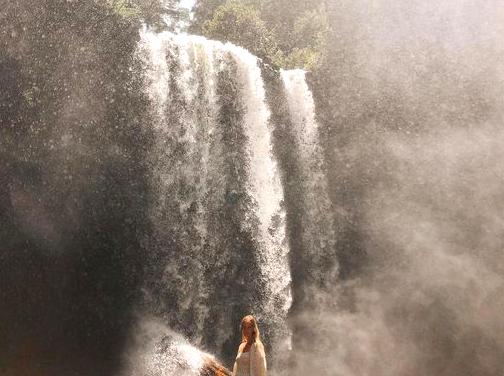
{"x": 256, "y": 335}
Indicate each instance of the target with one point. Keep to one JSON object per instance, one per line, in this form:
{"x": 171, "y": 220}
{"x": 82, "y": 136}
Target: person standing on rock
{"x": 251, "y": 358}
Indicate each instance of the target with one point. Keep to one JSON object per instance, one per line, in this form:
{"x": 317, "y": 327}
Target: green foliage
{"x": 290, "y": 34}
{"x": 125, "y": 8}
{"x": 30, "y": 95}
{"x": 242, "y": 25}
{"x": 203, "y": 11}
{"x": 160, "y": 14}
{"x": 302, "y": 57}
{"x": 308, "y": 41}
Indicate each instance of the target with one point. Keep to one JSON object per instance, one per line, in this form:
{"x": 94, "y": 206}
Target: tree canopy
{"x": 289, "y": 34}
{"x": 242, "y": 25}
{"x": 160, "y": 14}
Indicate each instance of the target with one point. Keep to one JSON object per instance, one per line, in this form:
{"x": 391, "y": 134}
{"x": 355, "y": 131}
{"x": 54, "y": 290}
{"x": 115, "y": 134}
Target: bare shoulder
{"x": 241, "y": 347}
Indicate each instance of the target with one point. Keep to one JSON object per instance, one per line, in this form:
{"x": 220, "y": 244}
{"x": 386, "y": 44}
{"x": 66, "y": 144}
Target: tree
{"x": 292, "y": 34}
{"x": 300, "y": 27}
{"x": 241, "y": 24}
{"x": 160, "y": 14}
{"x": 203, "y": 11}
{"x": 308, "y": 40}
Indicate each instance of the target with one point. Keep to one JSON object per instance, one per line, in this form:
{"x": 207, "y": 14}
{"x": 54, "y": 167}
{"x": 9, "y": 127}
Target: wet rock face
{"x": 72, "y": 191}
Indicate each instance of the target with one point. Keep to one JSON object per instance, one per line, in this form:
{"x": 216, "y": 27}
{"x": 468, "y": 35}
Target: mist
{"x": 415, "y": 167}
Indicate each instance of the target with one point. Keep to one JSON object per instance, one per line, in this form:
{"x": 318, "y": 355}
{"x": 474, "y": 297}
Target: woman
{"x": 251, "y": 358}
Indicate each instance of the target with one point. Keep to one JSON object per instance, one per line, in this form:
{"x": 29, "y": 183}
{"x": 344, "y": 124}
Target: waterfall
{"x": 317, "y": 224}
{"x": 218, "y": 243}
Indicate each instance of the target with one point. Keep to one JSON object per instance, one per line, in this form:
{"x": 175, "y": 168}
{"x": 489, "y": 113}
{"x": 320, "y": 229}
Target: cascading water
{"x": 317, "y": 227}
{"x": 219, "y": 247}
{"x": 311, "y": 227}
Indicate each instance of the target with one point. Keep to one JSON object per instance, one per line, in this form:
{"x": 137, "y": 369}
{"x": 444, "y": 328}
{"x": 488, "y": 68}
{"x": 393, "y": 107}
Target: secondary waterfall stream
{"x": 219, "y": 242}
{"x": 317, "y": 227}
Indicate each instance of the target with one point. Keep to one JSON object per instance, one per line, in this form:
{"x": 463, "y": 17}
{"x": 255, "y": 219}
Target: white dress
{"x": 243, "y": 364}
{"x": 250, "y": 363}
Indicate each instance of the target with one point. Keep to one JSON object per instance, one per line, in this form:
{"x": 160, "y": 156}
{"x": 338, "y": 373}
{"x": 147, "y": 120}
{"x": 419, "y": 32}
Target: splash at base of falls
{"x": 156, "y": 350}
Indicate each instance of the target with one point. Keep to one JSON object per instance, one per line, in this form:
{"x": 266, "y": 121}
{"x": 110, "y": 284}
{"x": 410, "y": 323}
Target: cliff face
{"x": 72, "y": 198}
